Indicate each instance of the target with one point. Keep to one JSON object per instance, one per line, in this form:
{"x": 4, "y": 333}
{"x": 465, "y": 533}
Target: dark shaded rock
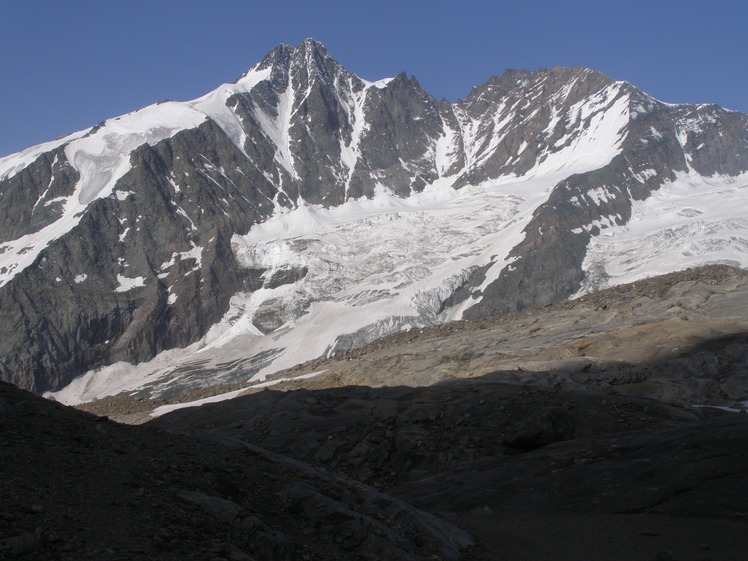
{"x": 158, "y": 500}
{"x": 545, "y": 427}
{"x": 330, "y": 518}
{"x": 390, "y": 436}
{"x": 220, "y": 508}
{"x": 274, "y": 312}
{"x": 261, "y": 540}
{"x": 672, "y": 470}
{"x": 5, "y": 408}
{"x": 23, "y": 544}
{"x": 286, "y": 276}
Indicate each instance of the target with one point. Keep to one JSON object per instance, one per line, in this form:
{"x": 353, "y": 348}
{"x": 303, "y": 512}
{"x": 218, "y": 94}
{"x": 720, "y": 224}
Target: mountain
{"x": 302, "y": 211}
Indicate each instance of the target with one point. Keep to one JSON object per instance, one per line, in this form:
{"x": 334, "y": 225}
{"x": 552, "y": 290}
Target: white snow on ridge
{"x": 214, "y": 105}
{"x": 691, "y": 221}
{"x": 13, "y": 163}
{"x": 101, "y": 158}
{"x": 379, "y": 84}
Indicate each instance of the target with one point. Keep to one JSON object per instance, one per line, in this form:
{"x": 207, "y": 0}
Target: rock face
{"x": 119, "y": 242}
{"x": 659, "y": 142}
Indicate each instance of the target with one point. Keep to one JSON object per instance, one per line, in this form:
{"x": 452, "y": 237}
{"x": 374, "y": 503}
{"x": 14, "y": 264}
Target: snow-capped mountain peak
{"x": 302, "y": 210}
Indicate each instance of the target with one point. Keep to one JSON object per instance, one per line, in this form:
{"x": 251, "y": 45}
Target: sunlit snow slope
{"x": 691, "y": 220}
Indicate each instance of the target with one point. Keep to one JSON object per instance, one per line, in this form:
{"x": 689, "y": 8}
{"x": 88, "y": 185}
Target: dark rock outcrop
{"x": 540, "y": 429}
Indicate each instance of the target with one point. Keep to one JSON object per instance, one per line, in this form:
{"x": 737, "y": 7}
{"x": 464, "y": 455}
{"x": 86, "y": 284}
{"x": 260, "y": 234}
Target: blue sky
{"x": 69, "y": 64}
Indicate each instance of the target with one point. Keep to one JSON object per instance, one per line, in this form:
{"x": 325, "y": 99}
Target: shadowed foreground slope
{"x": 528, "y": 471}
{"x": 77, "y": 487}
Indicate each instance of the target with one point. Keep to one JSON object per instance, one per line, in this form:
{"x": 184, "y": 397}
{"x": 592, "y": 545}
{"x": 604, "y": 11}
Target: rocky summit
{"x": 302, "y": 212}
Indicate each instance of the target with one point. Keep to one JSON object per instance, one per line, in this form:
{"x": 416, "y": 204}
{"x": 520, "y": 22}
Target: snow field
{"x": 691, "y": 221}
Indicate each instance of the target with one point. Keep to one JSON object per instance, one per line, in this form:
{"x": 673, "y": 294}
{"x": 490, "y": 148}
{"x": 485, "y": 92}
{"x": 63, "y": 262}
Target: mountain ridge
{"x": 143, "y": 212}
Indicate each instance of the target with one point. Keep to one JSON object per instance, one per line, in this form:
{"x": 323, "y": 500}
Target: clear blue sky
{"x": 69, "y": 64}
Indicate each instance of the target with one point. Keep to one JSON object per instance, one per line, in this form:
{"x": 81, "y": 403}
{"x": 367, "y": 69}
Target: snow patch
{"x": 686, "y": 221}
{"x": 122, "y": 195}
{"x": 600, "y": 195}
{"x": 126, "y": 283}
{"x": 195, "y": 253}
{"x": 646, "y": 174}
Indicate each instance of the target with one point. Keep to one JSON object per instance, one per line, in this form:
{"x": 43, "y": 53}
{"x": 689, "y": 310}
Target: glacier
{"x": 377, "y": 265}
